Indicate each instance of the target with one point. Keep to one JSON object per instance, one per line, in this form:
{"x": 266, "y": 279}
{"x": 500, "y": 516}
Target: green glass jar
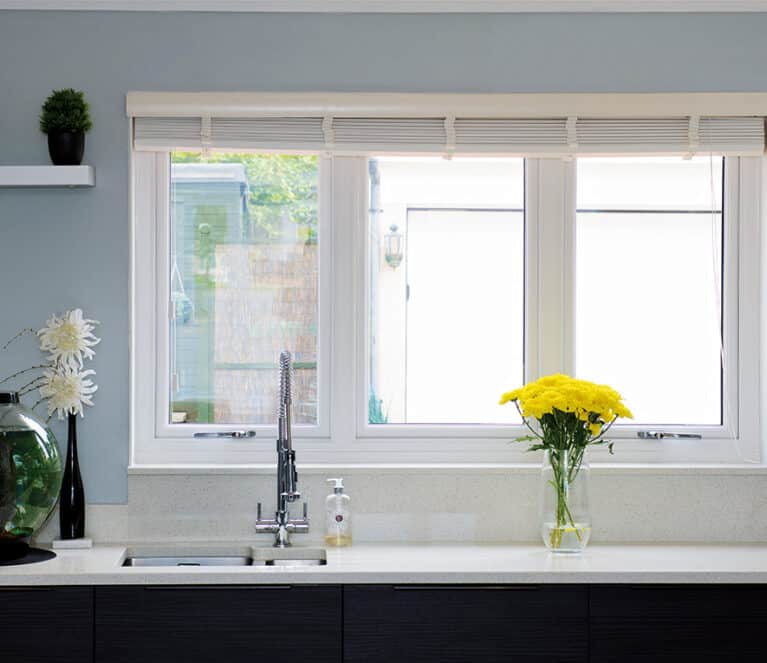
{"x": 30, "y": 475}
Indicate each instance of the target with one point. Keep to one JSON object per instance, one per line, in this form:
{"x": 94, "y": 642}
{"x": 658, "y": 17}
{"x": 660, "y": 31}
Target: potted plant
{"x": 66, "y": 120}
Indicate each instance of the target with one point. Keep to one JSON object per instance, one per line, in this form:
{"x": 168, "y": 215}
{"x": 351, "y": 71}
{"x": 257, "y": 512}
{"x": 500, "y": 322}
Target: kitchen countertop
{"x": 413, "y": 564}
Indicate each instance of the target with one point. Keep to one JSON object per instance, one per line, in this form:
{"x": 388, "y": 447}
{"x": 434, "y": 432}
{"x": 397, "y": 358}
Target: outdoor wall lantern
{"x": 394, "y": 244}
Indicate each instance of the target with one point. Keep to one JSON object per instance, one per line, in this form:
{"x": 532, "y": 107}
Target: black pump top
{"x": 9, "y": 397}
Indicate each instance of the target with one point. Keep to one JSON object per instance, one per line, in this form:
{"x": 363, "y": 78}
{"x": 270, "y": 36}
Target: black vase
{"x": 72, "y": 500}
{"x": 66, "y": 147}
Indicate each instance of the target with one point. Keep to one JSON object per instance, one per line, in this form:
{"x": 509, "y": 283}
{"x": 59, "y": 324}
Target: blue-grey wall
{"x": 65, "y": 248}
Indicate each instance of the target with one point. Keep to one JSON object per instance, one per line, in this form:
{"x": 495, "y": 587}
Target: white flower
{"x": 68, "y": 339}
{"x": 67, "y": 390}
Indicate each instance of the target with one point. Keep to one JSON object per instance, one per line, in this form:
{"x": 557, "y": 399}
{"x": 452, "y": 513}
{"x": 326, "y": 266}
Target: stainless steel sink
{"x": 293, "y": 556}
{"x": 217, "y": 556}
{"x": 189, "y": 560}
{"x": 294, "y": 562}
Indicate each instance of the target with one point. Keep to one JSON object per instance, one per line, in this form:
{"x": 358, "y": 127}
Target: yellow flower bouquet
{"x": 572, "y": 415}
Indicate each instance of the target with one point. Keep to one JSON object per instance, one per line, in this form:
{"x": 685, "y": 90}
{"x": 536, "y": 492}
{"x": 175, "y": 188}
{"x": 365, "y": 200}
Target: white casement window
{"x": 418, "y": 262}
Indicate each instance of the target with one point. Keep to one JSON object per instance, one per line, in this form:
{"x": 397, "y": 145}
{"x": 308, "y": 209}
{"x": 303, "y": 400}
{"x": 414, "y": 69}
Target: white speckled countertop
{"x": 417, "y": 563}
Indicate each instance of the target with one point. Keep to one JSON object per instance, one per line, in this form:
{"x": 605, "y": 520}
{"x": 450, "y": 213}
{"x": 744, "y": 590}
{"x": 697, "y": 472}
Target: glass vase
{"x": 565, "y": 511}
{"x": 30, "y": 475}
{"x": 72, "y": 500}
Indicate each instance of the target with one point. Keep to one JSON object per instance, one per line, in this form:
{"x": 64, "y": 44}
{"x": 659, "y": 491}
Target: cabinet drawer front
{"x": 677, "y": 641}
{"x": 195, "y": 624}
{"x": 679, "y": 602}
{"x": 687, "y": 623}
{"x": 465, "y": 624}
{"x": 47, "y": 624}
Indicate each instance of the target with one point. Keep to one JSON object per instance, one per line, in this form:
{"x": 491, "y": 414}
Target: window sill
{"x": 598, "y": 469}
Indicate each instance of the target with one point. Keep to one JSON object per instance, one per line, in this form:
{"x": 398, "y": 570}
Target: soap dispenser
{"x": 338, "y": 516}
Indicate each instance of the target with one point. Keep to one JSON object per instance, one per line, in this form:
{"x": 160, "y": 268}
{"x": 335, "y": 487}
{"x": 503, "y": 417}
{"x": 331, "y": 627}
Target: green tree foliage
{"x": 211, "y": 224}
{"x": 66, "y": 110}
{"x": 282, "y": 189}
{"x": 376, "y": 414}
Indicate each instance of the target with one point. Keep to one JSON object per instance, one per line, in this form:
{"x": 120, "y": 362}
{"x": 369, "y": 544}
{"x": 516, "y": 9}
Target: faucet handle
{"x": 300, "y": 525}
{"x": 258, "y": 511}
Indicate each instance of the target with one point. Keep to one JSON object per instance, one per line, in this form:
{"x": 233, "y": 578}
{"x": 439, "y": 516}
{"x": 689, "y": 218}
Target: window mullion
{"x": 143, "y": 312}
{"x": 554, "y": 205}
{"x": 745, "y": 375}
{"x": 532, "y": 266}
{"x": 349, "y": 210}
{"x": 162, "y": 290}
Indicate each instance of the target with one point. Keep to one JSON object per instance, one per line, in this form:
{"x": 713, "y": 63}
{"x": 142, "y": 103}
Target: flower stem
{"x": 26, "y": 370}
{"x": 31, "y": 385}
{"x": 38, "y": 403}
{"x": 23, "y": 332}
{"x": 563, "y": 478}
{"x": 526, "y": 422}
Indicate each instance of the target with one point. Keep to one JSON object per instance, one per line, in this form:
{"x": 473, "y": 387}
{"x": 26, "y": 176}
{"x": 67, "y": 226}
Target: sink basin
{"x": 289, "y": 556}
{"x": 216, "y": 556}
{"x": 294, "y": 562}
{"x": 189, "y": 560}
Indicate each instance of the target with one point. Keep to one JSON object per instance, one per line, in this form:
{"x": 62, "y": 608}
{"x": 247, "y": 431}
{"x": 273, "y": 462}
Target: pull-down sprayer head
{"x": 286, "y": 381}
{"x": 286, "y": 397}
{"x": 286, "y": 455}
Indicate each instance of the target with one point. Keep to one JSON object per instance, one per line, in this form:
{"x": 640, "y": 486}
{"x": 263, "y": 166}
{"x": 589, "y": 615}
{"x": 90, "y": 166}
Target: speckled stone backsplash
{"x": 456, "y": 505}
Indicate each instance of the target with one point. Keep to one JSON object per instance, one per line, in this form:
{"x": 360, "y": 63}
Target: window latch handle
{"x": 662, "y": 435}
{"x": 236, "y": 434}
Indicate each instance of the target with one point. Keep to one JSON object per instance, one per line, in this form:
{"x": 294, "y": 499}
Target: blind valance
{"x": 419, "y": 128}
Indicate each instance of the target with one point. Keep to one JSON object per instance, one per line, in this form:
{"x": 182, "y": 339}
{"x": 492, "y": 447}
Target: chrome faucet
{"x": 282, "y": 526}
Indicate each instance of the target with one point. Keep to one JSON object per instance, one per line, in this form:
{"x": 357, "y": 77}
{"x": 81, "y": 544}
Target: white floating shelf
{"x": 47, "y": 176}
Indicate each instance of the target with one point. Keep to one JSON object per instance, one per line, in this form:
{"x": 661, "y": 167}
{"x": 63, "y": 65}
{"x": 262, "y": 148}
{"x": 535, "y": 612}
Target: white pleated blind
{"x": 514, "y": 135}
{"x": 730, "y": 135}
{"x": 744, "y": 136}
{"x": 388, "y": 134}
{"x": 271, "y": 133}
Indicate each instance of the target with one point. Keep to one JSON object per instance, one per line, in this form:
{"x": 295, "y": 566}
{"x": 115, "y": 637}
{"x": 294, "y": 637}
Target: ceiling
{"x": 396, "y": 6}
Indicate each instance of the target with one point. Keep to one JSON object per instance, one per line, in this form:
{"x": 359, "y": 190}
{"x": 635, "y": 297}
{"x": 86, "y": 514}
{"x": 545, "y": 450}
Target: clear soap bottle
{"x": 338, "y": 516}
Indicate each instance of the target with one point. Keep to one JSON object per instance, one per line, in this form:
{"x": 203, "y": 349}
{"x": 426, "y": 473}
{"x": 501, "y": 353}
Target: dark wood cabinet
{"x": 46, "y": 624}
{"x": 465, "y": 623}
{"x": 657, "y": 624}
{"x": 385, "y": 623}
{"x": 207, "y": 624}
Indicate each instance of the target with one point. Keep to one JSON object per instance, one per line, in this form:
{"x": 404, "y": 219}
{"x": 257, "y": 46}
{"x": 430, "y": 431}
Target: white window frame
{"x": 343, "y": 437}
{"x": 413, "y": 434}
{"x": 154, "y": 439}
{"x": 737, "y": 439}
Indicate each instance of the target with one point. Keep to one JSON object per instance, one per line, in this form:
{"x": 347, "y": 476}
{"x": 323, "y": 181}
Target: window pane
{"x": 447, "y": 322}
{"x": 649, "y": 284}
{"x": 244, "y": 285}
